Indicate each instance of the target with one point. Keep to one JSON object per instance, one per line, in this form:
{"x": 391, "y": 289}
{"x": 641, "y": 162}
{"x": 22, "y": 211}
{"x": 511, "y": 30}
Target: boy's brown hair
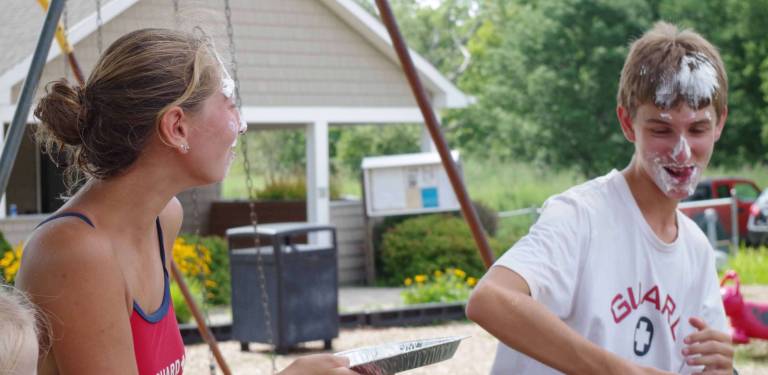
{"x": 656, "y": 59}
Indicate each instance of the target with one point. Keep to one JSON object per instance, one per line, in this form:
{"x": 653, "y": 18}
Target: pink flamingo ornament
{"x": 748, "y": 319}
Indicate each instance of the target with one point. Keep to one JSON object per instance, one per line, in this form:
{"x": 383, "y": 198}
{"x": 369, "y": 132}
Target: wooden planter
{"x": 236, "y": 213}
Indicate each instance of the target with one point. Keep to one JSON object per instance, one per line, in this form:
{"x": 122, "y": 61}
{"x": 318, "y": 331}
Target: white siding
{"x": 289, "y": 52}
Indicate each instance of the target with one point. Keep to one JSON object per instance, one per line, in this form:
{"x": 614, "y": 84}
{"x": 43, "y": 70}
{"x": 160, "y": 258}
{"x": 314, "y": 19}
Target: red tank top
{"x": 156, "y": 338}
{"x": 157, "y": 342}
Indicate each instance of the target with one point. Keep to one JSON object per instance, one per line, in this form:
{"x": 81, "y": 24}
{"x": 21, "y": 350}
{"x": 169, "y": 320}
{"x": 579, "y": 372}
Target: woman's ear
{"x": 173, "y": 130}
{"x": 625, "y": 119}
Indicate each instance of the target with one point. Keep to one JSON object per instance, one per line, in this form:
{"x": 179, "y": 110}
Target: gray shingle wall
{"x": 290, "y": 52}
{"x": 22, "y": 20}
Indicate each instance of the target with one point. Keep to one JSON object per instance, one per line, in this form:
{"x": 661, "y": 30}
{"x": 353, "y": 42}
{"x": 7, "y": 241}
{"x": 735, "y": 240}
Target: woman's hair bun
{"x": 60, "y": 112}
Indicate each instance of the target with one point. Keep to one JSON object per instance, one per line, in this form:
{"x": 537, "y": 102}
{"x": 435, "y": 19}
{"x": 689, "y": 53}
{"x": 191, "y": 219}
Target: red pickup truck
{"x": 720, "y": 187}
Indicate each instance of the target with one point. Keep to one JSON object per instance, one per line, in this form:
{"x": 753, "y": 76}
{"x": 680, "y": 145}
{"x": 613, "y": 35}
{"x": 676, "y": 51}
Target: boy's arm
{"x": 502, "y": 305}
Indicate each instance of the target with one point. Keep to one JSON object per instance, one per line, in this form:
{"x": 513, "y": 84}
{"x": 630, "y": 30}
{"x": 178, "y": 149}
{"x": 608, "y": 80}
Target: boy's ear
{"x": 172, "y": 128}
{"x": 721, "y": 123}
{"x": 625, "y": 119}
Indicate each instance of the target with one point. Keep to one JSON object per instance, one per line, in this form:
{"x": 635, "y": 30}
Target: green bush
{"x": 283, "y": 189}
{"x": 751, "y": 265}
{"x": 10, "y": 260}
{"x": 217, "y": 282}
{"x": 180, "y": 307}
{"x": 453, "y": 285}
{"x": 428, "y": 243}
{"x": 488, "y": 217}
{"x": 291, "y": 189}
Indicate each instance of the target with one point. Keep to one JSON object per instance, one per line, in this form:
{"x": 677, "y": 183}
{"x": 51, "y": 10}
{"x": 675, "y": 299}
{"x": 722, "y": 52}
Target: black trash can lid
{"x": 278, "y": 229}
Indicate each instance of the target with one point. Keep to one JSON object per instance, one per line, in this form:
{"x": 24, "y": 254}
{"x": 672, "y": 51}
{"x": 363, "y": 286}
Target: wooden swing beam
{"x": 433, "y": 125}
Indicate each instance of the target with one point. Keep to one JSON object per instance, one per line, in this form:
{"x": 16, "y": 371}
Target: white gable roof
{"x": 17, "y": 51}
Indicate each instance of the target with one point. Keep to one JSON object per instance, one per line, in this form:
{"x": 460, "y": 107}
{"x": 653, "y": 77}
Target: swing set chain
{"x": 176, "y": 14}
{"x": 251, "y": 191}
{"x": 99, "y": 24}
{"x": 201, "y": 274}
{"x": 65, "y": 29}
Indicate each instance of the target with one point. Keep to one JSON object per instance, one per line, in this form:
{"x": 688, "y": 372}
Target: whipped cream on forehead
{"x": 695, "y": 80}
{"x": 227, "y": 83}
{"x": 228, "y": 89}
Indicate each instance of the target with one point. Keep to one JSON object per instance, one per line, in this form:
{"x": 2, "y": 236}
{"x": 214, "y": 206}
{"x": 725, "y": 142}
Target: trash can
{"x": 301, "y": 281}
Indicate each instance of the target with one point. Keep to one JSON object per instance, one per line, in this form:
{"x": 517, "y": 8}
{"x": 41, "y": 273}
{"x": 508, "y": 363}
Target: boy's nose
{"x": 682, "y": 151}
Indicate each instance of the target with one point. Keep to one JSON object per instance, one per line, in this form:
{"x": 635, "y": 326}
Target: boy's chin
{"x": 678, "y": 195}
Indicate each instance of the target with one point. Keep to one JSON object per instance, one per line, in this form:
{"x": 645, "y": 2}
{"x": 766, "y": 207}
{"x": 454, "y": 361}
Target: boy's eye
{"x": 660, "y": 131}
{"x": 699, "y": 129}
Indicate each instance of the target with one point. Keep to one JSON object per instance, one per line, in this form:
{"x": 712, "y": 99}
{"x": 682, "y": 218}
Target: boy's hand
{"x": 709, "y": 348}
{"x": 319, "y": 364}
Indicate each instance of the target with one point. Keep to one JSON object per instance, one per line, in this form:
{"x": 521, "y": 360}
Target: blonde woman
{"x": 157, "y": 116}
{"x": 18, "y": 333}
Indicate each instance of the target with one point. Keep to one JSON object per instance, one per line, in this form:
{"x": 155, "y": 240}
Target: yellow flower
{"x": 471, "y": 281}
{"x": 438, "y": 273}
{"x": 193, "y": 262}
{"x": 459, "y": 273}
{"x": 420, "y": 278}
{"x": 408, "y": 281}
{"x": 11, "y": 262}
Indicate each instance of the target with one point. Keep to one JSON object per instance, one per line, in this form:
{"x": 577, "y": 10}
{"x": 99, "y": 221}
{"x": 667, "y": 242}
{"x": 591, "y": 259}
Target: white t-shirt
{"x": 594, "y": 261}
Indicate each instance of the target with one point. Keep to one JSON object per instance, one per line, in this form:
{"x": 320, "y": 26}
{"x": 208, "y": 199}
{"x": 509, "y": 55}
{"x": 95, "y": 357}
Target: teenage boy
{"x": 613, "y": 279}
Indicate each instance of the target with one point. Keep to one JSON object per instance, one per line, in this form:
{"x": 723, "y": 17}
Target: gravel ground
{"x": 474, "y": 355}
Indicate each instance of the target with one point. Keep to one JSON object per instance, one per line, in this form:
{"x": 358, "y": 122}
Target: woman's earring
{"x": 184, "y": 148}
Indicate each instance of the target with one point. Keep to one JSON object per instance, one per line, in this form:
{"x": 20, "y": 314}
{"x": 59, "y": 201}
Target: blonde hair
{"x": 657, "y": 56}
{"x": 18, "y": 323}
{"x": 99, "y": 129}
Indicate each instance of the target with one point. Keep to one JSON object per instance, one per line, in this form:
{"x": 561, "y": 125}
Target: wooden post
{"x": 205, "y": 332}
{"x": 470, "y": 215}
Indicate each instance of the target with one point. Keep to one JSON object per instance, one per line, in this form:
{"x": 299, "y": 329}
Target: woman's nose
{"x": 243, "y": 124}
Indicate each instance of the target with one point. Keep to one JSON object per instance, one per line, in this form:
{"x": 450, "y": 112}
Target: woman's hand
{"x": 319, "y": 364}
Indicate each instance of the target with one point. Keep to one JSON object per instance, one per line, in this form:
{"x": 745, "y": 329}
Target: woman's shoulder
{"x": 171, "y": 217}
{"x": 68, "y": 252}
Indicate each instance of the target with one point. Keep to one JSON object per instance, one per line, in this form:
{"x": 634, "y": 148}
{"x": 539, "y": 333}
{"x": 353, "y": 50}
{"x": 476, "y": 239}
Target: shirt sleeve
{"x": 548, "y": 257}
{"x": 712, "y": 310}
{"x": 709, "y": 305}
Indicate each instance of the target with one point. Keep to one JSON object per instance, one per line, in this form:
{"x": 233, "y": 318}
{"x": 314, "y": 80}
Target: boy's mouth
{"x": 680, "y": 173}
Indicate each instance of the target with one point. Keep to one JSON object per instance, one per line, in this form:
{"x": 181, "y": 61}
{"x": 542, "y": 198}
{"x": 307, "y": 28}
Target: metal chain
{"x": 176, "y": 14}
{"x": 65, "y": 28}
{"x": 197, "y": 223}
{"x": 99, "y": 24}
{"x": 251, "y": 191}
{"x": 201, "y": 275}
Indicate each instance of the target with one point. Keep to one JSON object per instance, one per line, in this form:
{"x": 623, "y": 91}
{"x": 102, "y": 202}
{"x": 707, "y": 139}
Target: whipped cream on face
{"x": 674, "y": 178}
{"x": 228, "y": 89}
{"x": 683, "y": 147}
{"x": 695, "y": 80}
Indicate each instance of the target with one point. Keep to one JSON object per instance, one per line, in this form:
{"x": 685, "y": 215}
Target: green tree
{"x": 439, "y": 34}
{"x": 736, "y": 27}
{"x": 357, "y": 142}
{"x": 545, "y": 76}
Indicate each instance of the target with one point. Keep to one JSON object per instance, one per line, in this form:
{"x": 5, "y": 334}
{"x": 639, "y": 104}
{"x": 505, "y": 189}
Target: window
{"x": 702, "y": 192}
{"x": 746, "y": 191}
{"x": 723, "y": 191}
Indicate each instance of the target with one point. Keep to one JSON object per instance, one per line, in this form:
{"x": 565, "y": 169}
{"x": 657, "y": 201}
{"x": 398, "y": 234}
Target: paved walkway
{"x": 351, "y": 299}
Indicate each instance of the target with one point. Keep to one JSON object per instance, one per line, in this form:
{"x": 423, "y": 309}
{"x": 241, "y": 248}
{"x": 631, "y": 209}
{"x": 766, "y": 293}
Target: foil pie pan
{"x": 396, "y": 357}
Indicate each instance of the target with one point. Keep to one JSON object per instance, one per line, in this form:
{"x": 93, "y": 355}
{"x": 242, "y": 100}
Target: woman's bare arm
{"x": 73, "y": 277}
